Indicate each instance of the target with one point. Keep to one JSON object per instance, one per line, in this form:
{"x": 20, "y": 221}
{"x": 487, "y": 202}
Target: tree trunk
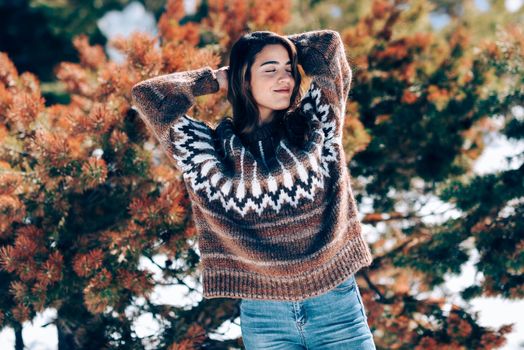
{"x": 66, "y": 336}
{"x": 19, "y": 341}
{"x": 78, "y": 329}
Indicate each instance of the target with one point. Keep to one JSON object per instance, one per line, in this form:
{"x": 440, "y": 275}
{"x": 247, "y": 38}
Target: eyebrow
{"x": 273, "y": 62}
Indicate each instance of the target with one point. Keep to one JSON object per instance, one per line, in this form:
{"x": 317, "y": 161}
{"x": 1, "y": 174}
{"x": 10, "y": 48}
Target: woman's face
{"x": 271, "y": 72}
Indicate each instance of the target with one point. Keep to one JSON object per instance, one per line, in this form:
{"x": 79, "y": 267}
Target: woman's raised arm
{"x": 322, "y": 55}
{"x": 163, "y": 101}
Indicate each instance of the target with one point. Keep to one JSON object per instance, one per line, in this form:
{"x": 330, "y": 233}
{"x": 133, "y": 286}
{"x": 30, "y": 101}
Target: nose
{"x": 285, "y": 77}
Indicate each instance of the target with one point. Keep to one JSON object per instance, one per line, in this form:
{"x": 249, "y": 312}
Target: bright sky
{"x": 493, "y": 312}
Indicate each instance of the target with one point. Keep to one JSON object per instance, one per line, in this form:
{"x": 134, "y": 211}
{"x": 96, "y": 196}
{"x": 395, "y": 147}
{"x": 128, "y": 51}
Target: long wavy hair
{"x": 245, "y": 110}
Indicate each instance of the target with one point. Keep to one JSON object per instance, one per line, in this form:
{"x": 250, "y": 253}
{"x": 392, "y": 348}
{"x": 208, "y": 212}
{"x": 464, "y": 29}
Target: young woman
{"x": 269, "y": 188}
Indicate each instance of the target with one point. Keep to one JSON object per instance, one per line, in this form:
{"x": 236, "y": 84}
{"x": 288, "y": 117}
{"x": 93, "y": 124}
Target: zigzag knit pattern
{"x": 287, "y": 231}
{"x": 249, "y": 186}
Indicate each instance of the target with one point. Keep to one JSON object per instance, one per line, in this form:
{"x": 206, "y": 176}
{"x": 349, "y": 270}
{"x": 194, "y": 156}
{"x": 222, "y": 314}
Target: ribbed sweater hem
{"x": 231, "y": 283}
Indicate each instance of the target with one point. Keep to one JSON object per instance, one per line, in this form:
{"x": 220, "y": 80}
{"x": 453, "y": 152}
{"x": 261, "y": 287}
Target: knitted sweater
{"x": 263, "y": 142}
{"x": 287, "y": 230}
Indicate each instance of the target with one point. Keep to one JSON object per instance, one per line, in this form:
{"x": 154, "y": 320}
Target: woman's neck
{"x": 265, "y": 117}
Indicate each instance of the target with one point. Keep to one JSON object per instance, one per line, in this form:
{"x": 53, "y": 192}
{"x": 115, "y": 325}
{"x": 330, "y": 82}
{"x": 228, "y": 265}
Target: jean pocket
{"x": 346, "y": 285}
{"x": 362, "y": 307}
{"x": 249, "y": 304}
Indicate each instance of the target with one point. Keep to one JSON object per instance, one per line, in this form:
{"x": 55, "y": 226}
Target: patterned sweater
{"x": 287, "y": 230}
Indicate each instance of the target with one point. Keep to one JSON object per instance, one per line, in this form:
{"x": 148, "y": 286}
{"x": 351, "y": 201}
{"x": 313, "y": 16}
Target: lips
{"x": 283, "y": 91}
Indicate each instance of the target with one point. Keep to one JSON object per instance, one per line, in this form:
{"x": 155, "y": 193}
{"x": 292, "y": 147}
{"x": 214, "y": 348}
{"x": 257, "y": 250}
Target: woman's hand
{"x": 222, "y": 77}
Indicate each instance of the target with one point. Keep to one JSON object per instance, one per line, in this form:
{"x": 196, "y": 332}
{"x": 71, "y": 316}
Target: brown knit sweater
{"x": 281, "y": 230}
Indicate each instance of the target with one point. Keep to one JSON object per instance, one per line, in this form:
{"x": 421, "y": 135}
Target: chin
{"x": 281, "y": 107}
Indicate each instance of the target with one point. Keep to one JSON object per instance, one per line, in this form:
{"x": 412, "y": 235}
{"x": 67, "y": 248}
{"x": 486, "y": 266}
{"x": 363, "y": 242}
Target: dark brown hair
{"x": 245, "y": 110}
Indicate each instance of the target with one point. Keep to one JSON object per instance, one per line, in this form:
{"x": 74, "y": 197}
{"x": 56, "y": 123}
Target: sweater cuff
{"x": 206, "y": 81}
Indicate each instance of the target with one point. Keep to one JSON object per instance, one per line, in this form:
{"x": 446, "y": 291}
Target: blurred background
{"x": 97, "y": 250}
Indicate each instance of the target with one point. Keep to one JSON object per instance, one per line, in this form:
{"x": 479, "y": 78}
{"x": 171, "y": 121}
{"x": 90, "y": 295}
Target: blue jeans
{"x": 335, "y": 320}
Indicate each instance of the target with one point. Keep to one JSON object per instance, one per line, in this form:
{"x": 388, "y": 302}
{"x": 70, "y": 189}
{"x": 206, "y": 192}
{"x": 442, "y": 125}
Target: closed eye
{"x": 270, "y": 71}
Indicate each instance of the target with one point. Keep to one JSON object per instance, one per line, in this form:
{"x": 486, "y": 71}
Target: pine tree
{"x": 419, "y": 107}
{"x": 86, "y": 196}
{"x": 47, "y": 28}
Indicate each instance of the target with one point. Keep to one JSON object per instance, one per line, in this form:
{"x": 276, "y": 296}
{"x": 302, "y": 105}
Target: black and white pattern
{"x": 248, "y": 185}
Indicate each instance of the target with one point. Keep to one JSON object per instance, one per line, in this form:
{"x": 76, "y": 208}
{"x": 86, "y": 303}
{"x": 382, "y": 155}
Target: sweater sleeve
{"x": 162, "y": 103}
{"x": 321, "y": 54}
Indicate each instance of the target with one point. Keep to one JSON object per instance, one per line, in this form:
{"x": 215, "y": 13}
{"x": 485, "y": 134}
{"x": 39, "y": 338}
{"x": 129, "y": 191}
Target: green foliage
{"x": 85, "y": 199}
